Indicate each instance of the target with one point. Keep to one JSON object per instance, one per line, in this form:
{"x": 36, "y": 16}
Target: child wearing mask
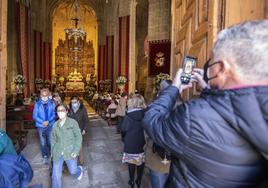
{"x": 78, "y": 112}
{"x": 65, "y": 145}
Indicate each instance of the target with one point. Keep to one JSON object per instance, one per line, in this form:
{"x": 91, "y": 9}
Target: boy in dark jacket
{"x": 219, "y": 140}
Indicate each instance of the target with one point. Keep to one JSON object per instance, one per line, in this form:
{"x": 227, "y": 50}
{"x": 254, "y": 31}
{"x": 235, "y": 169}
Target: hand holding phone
{"x": 189, "y": 64}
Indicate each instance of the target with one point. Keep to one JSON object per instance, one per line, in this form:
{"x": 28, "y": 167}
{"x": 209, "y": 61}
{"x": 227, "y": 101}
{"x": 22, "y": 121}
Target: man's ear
{"x": 225, "y": 68}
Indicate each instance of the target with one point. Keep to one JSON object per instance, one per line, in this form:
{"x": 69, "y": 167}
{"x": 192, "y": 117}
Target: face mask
{"x": 206, "y": 67}
{"x": 44, "y": 99}
{"x": 61, "y": 115}
{"x": 75, "y": 105}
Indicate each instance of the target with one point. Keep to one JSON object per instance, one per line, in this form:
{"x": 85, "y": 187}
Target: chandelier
{"x": 75, "y": 33}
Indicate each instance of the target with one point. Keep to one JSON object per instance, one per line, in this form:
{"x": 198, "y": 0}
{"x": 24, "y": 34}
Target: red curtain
{"x": 38, "y": 46}
{"x": 47, "y": 64}
{"x": 101, "y": 63}
{"x": 110, "y": 58}
{"x": 123, "y": 63}
{"x": 23, "y": 34}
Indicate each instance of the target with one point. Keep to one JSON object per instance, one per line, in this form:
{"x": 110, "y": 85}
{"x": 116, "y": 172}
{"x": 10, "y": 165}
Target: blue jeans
{"x": 45, "y": 140}
{"x": 158, "y": 180}
{"x": 57, "y": 171}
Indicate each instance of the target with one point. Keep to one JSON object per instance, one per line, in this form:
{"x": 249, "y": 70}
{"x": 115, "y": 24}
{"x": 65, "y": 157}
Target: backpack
{"x": 161, "y": 152}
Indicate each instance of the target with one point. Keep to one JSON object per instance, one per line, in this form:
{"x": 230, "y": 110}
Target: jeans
{"x": 45, "y": 140}
{"x": 158, "y": 180}
{"x": 74, "y": 170}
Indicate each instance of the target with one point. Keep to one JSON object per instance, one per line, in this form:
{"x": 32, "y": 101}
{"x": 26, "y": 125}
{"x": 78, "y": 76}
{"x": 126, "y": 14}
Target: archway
{"x": 61, "y": 19}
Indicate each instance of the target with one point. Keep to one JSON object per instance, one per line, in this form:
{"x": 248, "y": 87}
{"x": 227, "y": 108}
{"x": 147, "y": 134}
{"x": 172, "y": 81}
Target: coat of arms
{"x": 159, "y": 59}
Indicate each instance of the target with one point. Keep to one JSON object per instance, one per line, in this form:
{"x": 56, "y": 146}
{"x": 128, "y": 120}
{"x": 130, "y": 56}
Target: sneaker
{"x": 81, "y": 175}
{"x": 45, "y": 160}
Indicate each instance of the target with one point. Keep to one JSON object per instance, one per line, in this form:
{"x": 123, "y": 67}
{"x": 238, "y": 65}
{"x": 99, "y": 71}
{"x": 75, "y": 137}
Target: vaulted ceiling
{"x": 97, "y": 5}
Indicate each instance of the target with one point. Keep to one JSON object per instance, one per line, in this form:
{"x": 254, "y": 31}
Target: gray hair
{"x": 246, "y": 46}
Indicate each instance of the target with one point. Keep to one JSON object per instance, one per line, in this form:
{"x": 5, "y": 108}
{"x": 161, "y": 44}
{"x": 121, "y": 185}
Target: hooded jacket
{"x": 219, "y": 140}
{"x": 39, "y": 113}
{"x": 132, "y": 132}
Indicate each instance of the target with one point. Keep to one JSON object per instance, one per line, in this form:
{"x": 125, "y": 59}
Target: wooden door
{"x": 236, "y": 11}
{"x": 3, "y": 61}
{"x": 195, "y": 23}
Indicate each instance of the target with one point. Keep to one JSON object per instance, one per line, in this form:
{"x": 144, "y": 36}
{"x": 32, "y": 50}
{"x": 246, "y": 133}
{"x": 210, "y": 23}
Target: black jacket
{"x": 80, "y": 116}
{"x": 221, "y": 139}
{"x": 133, "y": 133}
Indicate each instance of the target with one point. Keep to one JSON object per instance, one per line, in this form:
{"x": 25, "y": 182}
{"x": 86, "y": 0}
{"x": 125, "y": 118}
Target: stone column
{"x": 3, "y": 62}
{"x": 132, "y": 47}
{"x": 159, "y": 24}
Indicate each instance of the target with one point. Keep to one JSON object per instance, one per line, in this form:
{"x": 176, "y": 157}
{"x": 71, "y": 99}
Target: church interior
{"x": 84, "y": 47}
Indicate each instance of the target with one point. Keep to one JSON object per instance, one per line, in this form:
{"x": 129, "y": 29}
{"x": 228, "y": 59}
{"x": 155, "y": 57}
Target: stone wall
{"x": 159, "y": 19}
{"x": 141, "y": 33}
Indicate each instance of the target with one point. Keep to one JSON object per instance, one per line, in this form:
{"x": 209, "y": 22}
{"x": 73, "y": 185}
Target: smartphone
{"x": 189, "y": 64}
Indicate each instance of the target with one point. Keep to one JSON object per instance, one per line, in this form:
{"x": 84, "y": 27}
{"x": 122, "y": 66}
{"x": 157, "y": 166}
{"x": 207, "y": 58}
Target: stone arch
{"x": 57, "y": 13}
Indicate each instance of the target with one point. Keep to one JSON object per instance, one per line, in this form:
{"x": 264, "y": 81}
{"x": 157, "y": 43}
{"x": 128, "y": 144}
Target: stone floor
{"x": 102, "y": 149}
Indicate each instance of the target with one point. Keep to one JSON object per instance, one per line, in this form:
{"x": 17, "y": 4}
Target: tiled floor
{"x": 102, "y": 149}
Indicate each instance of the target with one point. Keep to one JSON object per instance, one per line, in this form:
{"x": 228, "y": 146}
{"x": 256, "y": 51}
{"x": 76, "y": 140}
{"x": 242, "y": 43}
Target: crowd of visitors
{"x": 217, "y": 140}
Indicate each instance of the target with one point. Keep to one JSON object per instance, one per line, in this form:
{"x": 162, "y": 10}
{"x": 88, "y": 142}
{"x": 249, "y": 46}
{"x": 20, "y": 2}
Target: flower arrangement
{"x": 20, "y": 80}
{"x": 108, "y": 81}
{"x": 160, "y": 77}
{"x": 121, "y": 80}
{"x": 38, "y": 81}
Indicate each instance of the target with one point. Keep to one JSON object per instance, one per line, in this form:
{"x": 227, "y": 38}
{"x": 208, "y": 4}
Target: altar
{"x": 75, "y": 82}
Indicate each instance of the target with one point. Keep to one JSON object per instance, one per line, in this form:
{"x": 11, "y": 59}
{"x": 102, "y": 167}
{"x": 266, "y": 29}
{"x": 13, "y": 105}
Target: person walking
{"x": 121, "y": 111}
{"x": 133, "y": 138}
{"x": 78, "y": 112}
{"x": 44, "y": 117}
{"x": 66, "y": 144}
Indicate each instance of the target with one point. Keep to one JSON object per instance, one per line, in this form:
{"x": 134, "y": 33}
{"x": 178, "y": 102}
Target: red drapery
{"x": 101, "y": 63}
{"x": 38, "y": 46}
{"x": 23, "y": 33}
{"x": 109, "y": 65}
{"x": 159, "y": 57}
{"x": 47, "y": 64}
{"x": 123, "y": 63}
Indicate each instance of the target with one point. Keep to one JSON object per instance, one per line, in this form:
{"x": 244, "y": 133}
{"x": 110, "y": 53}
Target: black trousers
{"x": 132, "y": 168}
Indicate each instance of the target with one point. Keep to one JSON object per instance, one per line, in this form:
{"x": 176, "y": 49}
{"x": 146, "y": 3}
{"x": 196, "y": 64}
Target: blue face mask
{"x": 75, "y": 105}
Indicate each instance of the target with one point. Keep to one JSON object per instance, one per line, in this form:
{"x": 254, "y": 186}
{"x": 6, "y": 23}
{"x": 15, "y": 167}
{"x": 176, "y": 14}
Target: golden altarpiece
{"x": 69, "y": 56}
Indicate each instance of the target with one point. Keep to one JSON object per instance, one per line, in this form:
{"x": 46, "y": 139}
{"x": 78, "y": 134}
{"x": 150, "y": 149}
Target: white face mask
{"x": 62, "y": 115}
{"x": 44, "y": 99}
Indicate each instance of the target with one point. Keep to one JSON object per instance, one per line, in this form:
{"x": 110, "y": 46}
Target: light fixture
{"x": 75, "y": 33}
